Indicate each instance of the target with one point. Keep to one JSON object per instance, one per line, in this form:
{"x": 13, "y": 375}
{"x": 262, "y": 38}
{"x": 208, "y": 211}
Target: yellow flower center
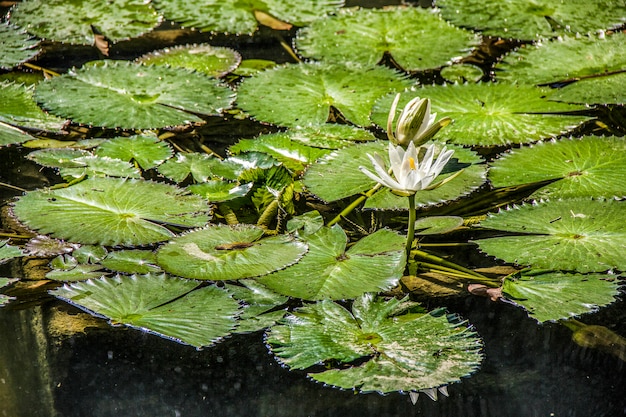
{"x": 412, "y": 163}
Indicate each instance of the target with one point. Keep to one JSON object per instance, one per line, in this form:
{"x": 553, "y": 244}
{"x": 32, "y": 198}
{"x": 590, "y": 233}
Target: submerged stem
{"x": 354, "y": 204}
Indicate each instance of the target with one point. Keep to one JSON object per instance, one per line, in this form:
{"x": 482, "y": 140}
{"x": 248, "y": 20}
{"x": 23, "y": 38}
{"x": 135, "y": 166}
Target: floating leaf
{"x": 221, "y": 252}
{"x": 58, "y": 157}
{"x": 330, "y": 270}
{"x": 523, "y": 19}
{"x": 131, "y": 261}
{"x": 365, "y": 35}
{"x": 570, "y": 58}
{"x": 601, "y": 90}
{"x": 239, "y": 17}
{"x": 16, "y": 46}
{"x": 111, "y": 211}
{"x": 591, "y": 166}
{"x": 462, "y": 73}
{"x": 133, "y": 96}
{"x": 45, "y": 246}
{"x": 581, "y": 235}
{"x": 198, "y": 165}
{"x": 489, "y": 114}
{"x": 553, "y": 296}
{"x": 258, "y": 300}
{"x": 17, "y": 107}
{"x": 219, "y": 191}
{"x": 8, "y": 251}
{"x": 10, "y": 135}
{"x": 436, "y": 225}
{"x": 397, "y": 352}
{"x": 3, "y": 283}
{"x": 302, "y": 94}
{"x": 215, "y": 61}
{"x": 80, "y": 272}
{"x": 170, "y": 307}
{"x": 96, "y": 166}
{"x": 330, "y": 135}
{"x": 116, "y": 19}
{"x": 147, "y": 151}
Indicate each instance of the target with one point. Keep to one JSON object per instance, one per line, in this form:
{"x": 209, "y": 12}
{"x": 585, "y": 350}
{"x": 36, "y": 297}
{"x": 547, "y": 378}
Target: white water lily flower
{"x": 415, "y": 125}
{"x": 411, "y": 174}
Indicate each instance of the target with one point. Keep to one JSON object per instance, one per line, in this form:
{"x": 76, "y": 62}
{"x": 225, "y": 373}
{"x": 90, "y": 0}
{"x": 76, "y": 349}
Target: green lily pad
{"x": 260, "y": 302}
{"x": 462, "y": 73}
{"x": 199, "y": 165}
{"x": 215, "y": 61}
{"x": 580, "y": 235}
{"x": 239, "y": 17}
{"x": 96, "y": 166}
{"x": 330, "y": 135}
{"x": 58, "y": 157}
{"x": 302, "y": 94}
{"x": 560, "y": 60}
{"x": 16, "y": 46}
{"x": 8, "y": 251}
{"x": 147, "y": 151}
{"x": 600, "y": 90}
{"x": 591, "y": 166}
{"x": 133, "y": 96}
{"x": 90, "y": 254}
{"x": 10, "y": 135}
{"x": 17, "y": 107}
{"x": 489, "y": 114}
{"x": 111, "y": 211}
{"x": 3, "y": 283}
{"x": 436, "y": 225}
{"x": 553, "y": 296}
{"x": 395, "y": 352}
{"x": 169, "y": 307}
{"x": 330, "y": 270}
{"x": 523, "y": 19}
{"x": 80, "y": 272}
{"x": 131, "y": 261}
{"x": 365, "y": 35}
{"x": 116, "y": 19}
{"x": 218, "y": 191}
{"x": 305, "y": 224}
{"x": 221, "y": 252}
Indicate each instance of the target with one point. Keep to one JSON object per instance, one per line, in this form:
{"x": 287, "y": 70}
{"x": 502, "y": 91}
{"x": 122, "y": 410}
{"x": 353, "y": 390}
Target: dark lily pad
{"x": 215, "y": 61}
{"x": 17, "y": 107}
{"x": 383, "y": 346}
{"x": 169, "y": 307}
{"x": 16, "y": 46}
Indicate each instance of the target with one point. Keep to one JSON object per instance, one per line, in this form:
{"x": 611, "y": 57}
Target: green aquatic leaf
{"x": 131, "y": 261}
{"x": 133, "y": 96}
{"x": 436, "y": 225}
{"x": 462, "y": 73}
{"x": 239, "y": 17}
{"x": 16, "y": 46}
{"x": 58, "y": 157}
{"x": 8, "y": 251}
{"x": 218, "y": 191}
{"x": 394, "y": 351}
{"x": 536, "y": 19}
{"x": 17, "y": 107}
{"x": 147, "y": 151}
{"x": 3, "y": 283}
{"x": 490, "y": 114}
{"x": 77, "y": 19}
{"x": 553, "y": 296}
{"x": 600, "y": 90}
{"x": 200, "y": 166}
{"x": 111, "y": 211}
{"x": 221, "y": 252}
{"x": 169, "y": 307}
{"x": 96, "y": 166}
{"x": 582, "y": 235}
{"x": 591, "y": 166}
{"x": 331, "y": 270}
{"x": 330, "y": 135}
{"x": 259, "y": 304}
{"x": 302, "y": 94}
{"x": 215, "y": 61}
{"x": 10, "y": 135}
{"x": 564, "y": 59}
{"x": 80, "y": 272}
{"x": 365, "y": 35}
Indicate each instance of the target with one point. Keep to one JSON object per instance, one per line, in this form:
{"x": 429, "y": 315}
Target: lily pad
{"x": 599, "y": 90}
{"x": 147, "y": 151}
{"x": 591, "y": 166}
{"x": 17, "y": 107}
{"x": 580, "y": 235}
{"x": 116, "y": 19}
{"x": 16, "y": 46}
{"x": 239, "y": 17}
{"x": 97, "y": 166}
{"x": 490, "y": 114}
{"x": 215, "y": 61}
{"x": 553, "y": 296}
{"x": 10, "y": 135}
{"x": 8, "y": 251}
{"x": 218, "y": 191}
{"x": 3, "y": 283}
{"x": 436, "y": 225}
{"x": 198, "y": 165}
{"x": 111, "y": 211}
{"x": 523, "y": 19}
{"x": 302, "y": 94}
{"x": 133, "y": 96}
{"x": 365, "y": 35}
{"x": 393, "y": 351}
{"x": 131, "y": 261}
{"x": 221, "y": 252}
{"x": 80, "y": 272}
{"x": 260, "y": 302}
{"x": 331, "y": 271}
{"x": 58, "y": 157}
{"x": 169, "y": 307}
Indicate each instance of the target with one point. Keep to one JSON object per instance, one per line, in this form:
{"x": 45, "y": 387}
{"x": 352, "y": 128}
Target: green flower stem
{"x": 410, "y": 234}
{"x": 354, "y": 204}
{"x": 442, "y": 262}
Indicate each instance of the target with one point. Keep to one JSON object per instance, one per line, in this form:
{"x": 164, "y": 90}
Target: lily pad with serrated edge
{"x": 331, "y": 271}
{"x": 133, "y": 96}
{"x": 99, "y": 166}
{"x": 215, "y": 61}
{"x": 238, "y": 17}
{"x": 221, "y": 252}
{"x": 131, "y": 261}
{"x": 58, "y": 157}
{"x": 406, "y": 33}
{"x": 8, "y": 251}
{"x": 591, "y": 166}
{"x": 301, "y": 95}
{"x": 436, "y": 225}
{"x": 553, "y": 296}
{"x": 169, "y": 307}
{"x": 111, "y": 211}
{"x": 218, "y": 191}
{"x": 17, "y": 107}
{"x": 461, "y": 73}
{"x": 529, "y": 20}
{"x": 490, "y": 114}
{"x": 382, "y": 345}
{"x": 147, "y": 151}
{"x": 16, "y": 46}
{"x": 10, "y": 135}
{"x": 200, "y": 166}
{"x": 259, "y": 304}
{"x": 76, "y": 20}
{"x": 607, "y": 89}
{"x": 581, "y": 234}
{"x": 80, "y": 272}
{"x": 564, "y": 59}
